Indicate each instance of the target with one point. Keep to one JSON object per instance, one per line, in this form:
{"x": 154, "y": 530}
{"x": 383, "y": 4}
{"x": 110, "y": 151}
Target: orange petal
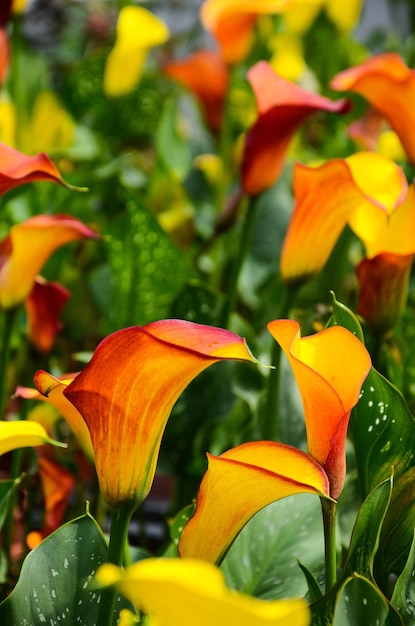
{"x": 231, "y": 22}
{"x": 127, "y": 391}
{"x": 50, "y": 389}
{"x": 206, "y": 75}
{"x": 389, "y": 85}
{"x": 17, "y": 169}
{"x": 27, "y": 247}
{"x": 361, "y": 190}
{"x": 238, "y": 484}
{"x": 329, "y": 368}
{"x": 282, "y": 107}
{"x": 383, "y": 291}
{"x": 43, "y": 308}
{"x": 4, "y": 55}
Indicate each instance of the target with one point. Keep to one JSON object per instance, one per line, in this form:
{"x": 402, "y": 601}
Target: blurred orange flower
{"x": 44, "y": 305}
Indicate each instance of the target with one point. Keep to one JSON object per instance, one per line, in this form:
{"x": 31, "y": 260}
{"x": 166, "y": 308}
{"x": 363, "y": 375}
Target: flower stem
{"x": 328, "y": 508}
{"x": 232, "y": 286}
{"x": 9, "y": 317}
{"x": 120, "y": 521}
{"x": 270, "y": 428}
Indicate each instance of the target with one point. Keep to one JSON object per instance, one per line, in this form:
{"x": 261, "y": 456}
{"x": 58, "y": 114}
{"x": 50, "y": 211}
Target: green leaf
{"x": 263, "y": 561}
{"x": 360, "y": 603}
{"x": 342, "y": 316}
{"x": 53, "y": 583}
{"x": 314, "y": 589}
{"x": 403, "y": 597}
{"x": 171, "y": 144}
{"x": 6, "y": 489}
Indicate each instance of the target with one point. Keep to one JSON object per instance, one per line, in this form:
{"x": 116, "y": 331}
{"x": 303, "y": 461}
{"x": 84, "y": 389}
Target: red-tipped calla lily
{"x": 330, "y": 368}
{"x": 27, "y": 247}
{"x": 17, "y": 169}
{"x": 44, "y": 305}
{"x": 363, "y": 191}
{"x": 126, "y": 392}
{"x": 389, "y": 85}
{"x": 50, "y": 389}
{"x": 57, "y": 485}
{"x": 282, "y": 107}
{"x": 237, "y": 485}
{"x": 231, "y": 22}
{"x": 205, "y": 74}
{"x": 189, "y": 592}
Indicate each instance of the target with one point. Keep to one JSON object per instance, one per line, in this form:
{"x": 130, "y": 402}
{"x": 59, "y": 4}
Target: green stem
{"x": 120, "y": 521}
{"x": 328, "y": 508}
{"x": 270, "y": 428}
{"x": 9, "y": 317}
{"x": 232, "y": 286}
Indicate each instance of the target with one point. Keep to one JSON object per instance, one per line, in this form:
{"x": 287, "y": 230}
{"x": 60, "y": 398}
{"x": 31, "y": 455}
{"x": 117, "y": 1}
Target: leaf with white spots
{"x": 263, "y": 560}
{"x": 360, "y": 604}
{"x": 53, "y": 587}
{"x": 403, "y": 597}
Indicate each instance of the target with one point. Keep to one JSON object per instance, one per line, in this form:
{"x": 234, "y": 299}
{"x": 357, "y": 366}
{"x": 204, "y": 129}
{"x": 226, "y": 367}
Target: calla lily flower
{"x": 250, "y": 476}
{"x": 50, "y": 389}
{"x": 282, "y": 107}
{"x": 27, "y": 247}
{"x": 57, "y": 485}
{"x": 126, "y": 392}
{"x": 389, "y": 85}
{"x": 4, "y": 55}
{"x": 231, "y": 22}
{"x": 17, "y": 169}
{"x": 363, "y": 191}
{"x": 185, "y": 592}
{"x": 330, "y": 368}
{"x": 44, "y": 305}
{"x": 138, "y": 30}
{"x": 23, "y": 434}
{"x": 206, "y": 75}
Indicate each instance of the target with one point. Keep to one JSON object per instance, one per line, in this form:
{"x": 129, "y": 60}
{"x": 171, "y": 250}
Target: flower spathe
{"x": 237, "y": 485}
{"x": 43, "y": 306}
{"x": 138, "y": 30}
{"x": 17, "y": 169}
{"x": 389, "y": 85}
{"x": 282, "y": 107}
{"x": 23, "y": 434}
{"x": 363, "y": 191}
{"x": 206, "y": 75}
{"x": 126, "y": 392}
{"x": 231, "y": 22}
{"x": 330, "y": 368}
{"x": 185, "y": 592}
{"x": 27, "y": 247}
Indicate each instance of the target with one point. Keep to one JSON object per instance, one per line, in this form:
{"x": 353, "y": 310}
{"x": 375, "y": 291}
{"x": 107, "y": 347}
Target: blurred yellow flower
{"x": 138, "y": 30}
{"x": 287, "y": 59}
{"x": 301, "y": 16}
{"x": 50, "y": 128}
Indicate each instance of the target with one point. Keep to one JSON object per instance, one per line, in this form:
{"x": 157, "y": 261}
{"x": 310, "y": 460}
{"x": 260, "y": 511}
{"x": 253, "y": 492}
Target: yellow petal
{"x": 126, "y": 393}
{"x": 186, "y": 592}
{"x": 22, "y": 434}
{"x": 330, "y": 368}
{"x": 137, "y": 31}
{"x": 237, "y": 485}
{"x": 345, "y": 15}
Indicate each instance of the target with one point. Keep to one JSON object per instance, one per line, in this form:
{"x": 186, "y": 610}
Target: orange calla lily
{"x": 206, "y": 75}
{"x": 363, "y": 191}
{"x": 43, "y": 308}
{"x": 330, "y": 368}
{"x": 186, "y": 592}
{"x": 4, "y": 55}
{"x": 27, "y": 247}
{"x": 282, "y": 107}
{"x": 249, "y": 477}
{"x": 50, "y": 389}
{"x": 231, "y": 22}
{"x": 127, "y": 390}
{"x": 17, "y": 169}
{"x": 389, "y": 85}
{"x": 57, "y": 485}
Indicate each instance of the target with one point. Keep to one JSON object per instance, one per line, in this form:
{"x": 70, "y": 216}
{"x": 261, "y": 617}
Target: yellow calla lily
{"x": 126, "y": 392}
{"x": 185, "y": 592}
{"x": 237, "y": 485}
{"x": 363, "y": 191}
{"x": 138, "y": 30}
{"x": 23, "y": 434}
